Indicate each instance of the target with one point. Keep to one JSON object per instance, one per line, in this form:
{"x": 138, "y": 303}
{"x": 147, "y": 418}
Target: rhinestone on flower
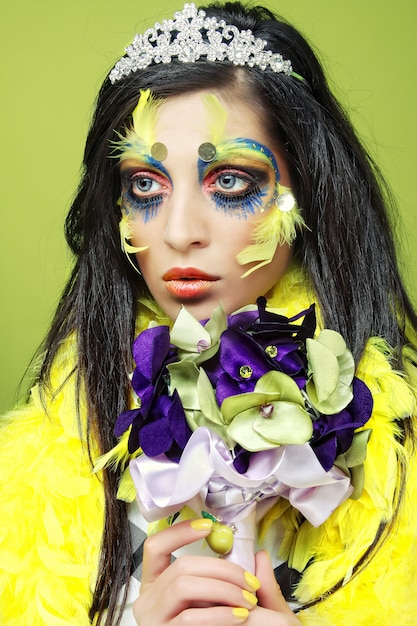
{"x": 267, "y": 410}
{"x": 245, "y": 371}
{"x": 202, "y": 345}
{"x": 271, "y": 351}
{"x": 190, "y": 36}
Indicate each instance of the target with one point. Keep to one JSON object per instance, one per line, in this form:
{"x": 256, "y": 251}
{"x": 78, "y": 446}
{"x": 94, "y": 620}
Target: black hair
{"x": 347, "y": 248}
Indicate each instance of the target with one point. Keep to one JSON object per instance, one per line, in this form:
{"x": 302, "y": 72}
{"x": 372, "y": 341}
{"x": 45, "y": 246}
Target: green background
{"x": 55, "y": 55}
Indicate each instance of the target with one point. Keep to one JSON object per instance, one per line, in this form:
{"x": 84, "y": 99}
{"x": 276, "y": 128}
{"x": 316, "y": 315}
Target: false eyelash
{"x": 147, "y": 206}
{"x": 246, "y": 203}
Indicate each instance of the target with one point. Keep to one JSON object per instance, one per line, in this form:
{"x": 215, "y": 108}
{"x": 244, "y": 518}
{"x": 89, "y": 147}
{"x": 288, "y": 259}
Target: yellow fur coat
{"x": 51, "y": 513}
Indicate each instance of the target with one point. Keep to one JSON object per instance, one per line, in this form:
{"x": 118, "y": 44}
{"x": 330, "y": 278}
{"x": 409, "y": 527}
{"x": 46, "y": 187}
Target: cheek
{"x": 142, "y": 233}
{"x": 279, "y": 263}
{"x": 237, "y": 231}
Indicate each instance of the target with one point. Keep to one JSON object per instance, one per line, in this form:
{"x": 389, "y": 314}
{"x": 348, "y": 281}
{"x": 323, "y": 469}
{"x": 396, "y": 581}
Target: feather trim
{"x": 51, "y": 520}
{"x": 383, "y": 592}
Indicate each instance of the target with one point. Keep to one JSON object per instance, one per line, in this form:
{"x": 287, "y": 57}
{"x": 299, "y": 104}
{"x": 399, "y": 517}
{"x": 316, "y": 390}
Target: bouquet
{"x": 237, "y": 411}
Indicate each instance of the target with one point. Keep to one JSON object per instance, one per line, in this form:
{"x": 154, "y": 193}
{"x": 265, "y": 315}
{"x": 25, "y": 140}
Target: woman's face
{"x": 196, "y": 215}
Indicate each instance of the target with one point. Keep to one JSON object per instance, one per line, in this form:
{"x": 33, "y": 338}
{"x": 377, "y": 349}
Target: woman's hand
{"x": 272, "y": 609}
{"x": 202, "y": 590}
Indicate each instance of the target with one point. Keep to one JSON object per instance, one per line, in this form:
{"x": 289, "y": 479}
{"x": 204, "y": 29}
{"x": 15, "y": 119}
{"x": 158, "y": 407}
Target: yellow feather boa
{"x": 51, "y": 509}
{"x": 384, "y": 591}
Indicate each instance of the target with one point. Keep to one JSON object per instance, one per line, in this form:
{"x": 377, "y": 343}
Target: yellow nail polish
{"x": 201, "y": 524}
{"x": 252, "y": 581}
{"x": 250, "y": 597}
{"x": 240, "y": 613}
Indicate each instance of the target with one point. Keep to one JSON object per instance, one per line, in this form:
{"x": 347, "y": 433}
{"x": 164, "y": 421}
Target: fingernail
{"x": 240, "y": 614}
{"x": 201, "y": 524}
{"x": 250, "y": 597}
{"x": 252, "y": 581}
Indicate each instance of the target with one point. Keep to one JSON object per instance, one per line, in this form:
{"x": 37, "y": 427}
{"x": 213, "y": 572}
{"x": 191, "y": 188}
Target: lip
{"x": 188, "y": 282}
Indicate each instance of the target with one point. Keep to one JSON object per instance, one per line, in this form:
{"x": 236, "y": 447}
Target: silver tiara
{"x": 190, "y": 36}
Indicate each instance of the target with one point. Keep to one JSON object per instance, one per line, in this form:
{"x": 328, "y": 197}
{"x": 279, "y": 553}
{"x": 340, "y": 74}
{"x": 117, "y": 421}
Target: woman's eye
{"x": 143, "y": 191}
{"x": 235, "y": 190}
{"x": 145, "y": 185}
{"x": 232, "y": 182}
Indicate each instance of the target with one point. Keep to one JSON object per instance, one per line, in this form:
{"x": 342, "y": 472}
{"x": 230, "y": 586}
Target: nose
{"x": 187, "y": 223}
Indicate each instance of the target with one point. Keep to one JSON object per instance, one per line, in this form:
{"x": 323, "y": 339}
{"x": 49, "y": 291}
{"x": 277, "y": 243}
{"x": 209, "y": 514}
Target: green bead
{"x": 220, "y": 539}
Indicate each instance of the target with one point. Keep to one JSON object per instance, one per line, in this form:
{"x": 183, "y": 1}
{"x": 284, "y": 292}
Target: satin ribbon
{"x": 205, "y": 479}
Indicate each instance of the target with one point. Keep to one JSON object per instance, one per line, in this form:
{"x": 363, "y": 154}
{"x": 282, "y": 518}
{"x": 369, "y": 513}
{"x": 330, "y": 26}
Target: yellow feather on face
{"x": 125, "y": 235}
{"x": 144, "y": 116}
{"x": 217, "y": 115}
{"x": 272, "y": 230}
{"x": 139, "y": 139}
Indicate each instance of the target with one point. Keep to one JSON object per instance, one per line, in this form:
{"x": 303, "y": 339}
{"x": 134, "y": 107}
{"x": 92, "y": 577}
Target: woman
{"x": 153, "y": 123}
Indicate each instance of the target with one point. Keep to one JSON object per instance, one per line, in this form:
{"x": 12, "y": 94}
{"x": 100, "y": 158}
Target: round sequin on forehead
{"x": 207, "y": 152}
{"x": 159, "y": 151}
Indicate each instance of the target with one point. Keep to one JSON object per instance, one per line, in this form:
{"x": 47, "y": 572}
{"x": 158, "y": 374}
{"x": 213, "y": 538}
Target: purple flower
{"x": 241, "y": 459}
{"x": 333, "y": 434}
{"x": 152, "y": 351}
{"x": 164, "y": 429}
{"x": 253, "y": 345}
{"x": 167, "y": 431}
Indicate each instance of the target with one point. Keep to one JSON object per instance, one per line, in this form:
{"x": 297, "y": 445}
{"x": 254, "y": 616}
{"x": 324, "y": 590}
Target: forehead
{"x": 189, "y": 117}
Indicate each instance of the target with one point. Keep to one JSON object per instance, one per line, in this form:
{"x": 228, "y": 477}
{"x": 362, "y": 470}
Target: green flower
{"x": 331, "y": 371}
{"x": 195, "y": 342}
{"x": 198, "y": 398}
{"x": 272, "y": 415}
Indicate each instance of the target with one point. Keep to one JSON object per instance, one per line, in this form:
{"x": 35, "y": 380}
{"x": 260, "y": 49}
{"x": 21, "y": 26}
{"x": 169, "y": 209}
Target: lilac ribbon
{"x": 205, "y": 479}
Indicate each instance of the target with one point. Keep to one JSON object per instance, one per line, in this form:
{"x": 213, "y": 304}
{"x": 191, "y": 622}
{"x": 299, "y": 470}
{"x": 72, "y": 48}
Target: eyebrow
{"x": 232, "y": 146}
{"x": 143, "y": 156}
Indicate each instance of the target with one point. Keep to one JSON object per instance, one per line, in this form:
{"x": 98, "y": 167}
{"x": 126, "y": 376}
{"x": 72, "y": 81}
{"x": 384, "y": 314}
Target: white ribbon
{"x": 205, "y": 479}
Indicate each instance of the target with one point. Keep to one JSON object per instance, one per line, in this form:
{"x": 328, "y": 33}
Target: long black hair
{"x": 347, "y": 248}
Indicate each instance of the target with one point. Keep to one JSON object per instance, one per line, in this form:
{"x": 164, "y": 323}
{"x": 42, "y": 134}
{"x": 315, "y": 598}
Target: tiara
{"x": 182, "y": 38}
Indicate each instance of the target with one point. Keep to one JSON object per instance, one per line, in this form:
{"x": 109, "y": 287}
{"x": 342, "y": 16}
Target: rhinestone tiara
{"x": 190, "y": 36}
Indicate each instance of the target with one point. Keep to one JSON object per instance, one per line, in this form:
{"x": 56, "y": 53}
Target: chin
{"x": 200, "y": 311}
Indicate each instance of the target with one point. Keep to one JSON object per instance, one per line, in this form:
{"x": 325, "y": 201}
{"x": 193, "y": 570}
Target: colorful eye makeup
{"x": 241, "y": 178}
{"x": 144, "y": 187}
{"x": 234, "y": 190}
